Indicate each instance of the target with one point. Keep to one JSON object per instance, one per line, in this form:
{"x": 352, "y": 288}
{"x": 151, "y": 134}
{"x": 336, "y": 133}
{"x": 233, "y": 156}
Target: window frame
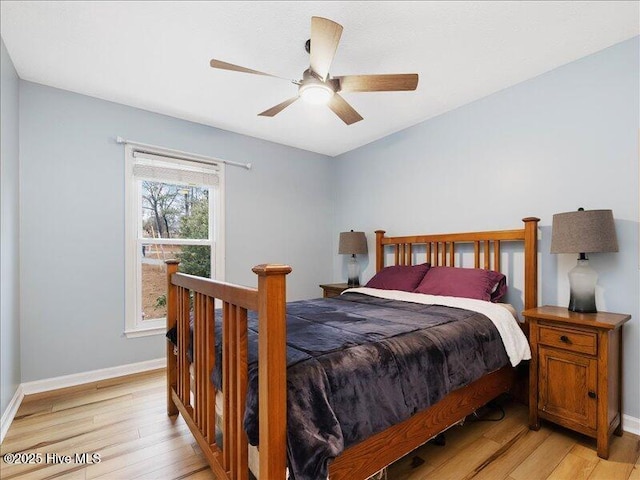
{"x": 134, "y": 325}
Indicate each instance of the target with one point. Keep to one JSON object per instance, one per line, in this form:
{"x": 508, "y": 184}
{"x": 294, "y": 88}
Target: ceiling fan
{"x": 318, "y": 87}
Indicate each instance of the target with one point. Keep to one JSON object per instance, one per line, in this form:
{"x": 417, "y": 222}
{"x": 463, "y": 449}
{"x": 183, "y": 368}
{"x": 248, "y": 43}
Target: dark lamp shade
{"x": 352, "y": 243}
{"x": 584, "y": 231}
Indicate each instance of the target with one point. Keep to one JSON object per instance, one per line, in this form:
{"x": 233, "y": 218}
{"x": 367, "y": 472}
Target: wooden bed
{"x": 195, "y": 397}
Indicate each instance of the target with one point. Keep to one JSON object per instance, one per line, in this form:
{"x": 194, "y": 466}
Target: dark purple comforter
{"x": 359, "y": 364}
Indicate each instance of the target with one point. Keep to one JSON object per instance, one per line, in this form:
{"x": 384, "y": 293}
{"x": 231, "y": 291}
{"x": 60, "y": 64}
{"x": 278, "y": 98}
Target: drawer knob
{"x": 592, "y": 394}
{"x": 564, "y": 339}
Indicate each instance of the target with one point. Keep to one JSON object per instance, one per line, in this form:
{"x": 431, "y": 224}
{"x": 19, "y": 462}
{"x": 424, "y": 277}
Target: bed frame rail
{"x": 195, "y": 297}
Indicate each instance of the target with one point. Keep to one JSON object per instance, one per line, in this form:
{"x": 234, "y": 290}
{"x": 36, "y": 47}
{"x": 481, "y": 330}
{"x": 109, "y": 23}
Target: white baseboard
{"x": 74, "y": 379}
{"x": 631, "y": 424}
{"x": 10, "y": 412}
{"x": 65, "y": 381}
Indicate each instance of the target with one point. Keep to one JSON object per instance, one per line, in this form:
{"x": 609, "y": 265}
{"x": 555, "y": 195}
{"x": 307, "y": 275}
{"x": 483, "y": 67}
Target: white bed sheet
{"x": 514, "y": 340}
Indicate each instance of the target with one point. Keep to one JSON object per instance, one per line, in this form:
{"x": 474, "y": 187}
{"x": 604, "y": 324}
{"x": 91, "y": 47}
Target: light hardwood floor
{"x": 124, "y": 421}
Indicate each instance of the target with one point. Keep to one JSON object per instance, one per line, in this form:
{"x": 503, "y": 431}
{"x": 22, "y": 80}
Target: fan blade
{"x": 325, "y": 36}
{"x": 237, "y": 68}
{"x": 342, "y": 109}
{"x": 273, "y": 111}
{"x": 378, "y": 83}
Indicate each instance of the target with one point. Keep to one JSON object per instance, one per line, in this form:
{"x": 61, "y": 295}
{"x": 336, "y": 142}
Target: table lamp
{"x": 584, "y": 231}
{"x": 352, "y": 243}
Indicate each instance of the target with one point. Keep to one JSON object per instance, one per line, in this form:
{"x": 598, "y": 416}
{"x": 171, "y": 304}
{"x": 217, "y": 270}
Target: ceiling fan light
{"x": 316, "y": 93}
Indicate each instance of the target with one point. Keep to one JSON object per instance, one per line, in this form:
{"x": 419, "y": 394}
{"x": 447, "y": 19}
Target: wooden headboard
{"x": 440, "y": 250}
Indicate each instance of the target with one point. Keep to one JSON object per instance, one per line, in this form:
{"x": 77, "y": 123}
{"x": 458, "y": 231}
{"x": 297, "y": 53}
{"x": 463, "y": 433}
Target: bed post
{"x": 172, "y": 319}
{"x": 530, "y": 262}
{"x": 272, "y": 370}
{"x": 379, "y": 250}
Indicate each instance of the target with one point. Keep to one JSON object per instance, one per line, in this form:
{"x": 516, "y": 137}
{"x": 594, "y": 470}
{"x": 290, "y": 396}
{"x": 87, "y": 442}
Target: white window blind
{"x": 169, "y": 169}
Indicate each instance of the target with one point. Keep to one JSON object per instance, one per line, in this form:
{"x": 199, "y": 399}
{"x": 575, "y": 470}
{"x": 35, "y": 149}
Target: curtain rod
{"x": 194, "y": 157}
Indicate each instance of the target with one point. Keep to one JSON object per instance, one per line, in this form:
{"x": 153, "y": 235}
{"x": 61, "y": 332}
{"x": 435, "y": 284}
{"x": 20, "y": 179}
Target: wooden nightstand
{"x": 333, "y": 289}
{"x": 575, "y": 371}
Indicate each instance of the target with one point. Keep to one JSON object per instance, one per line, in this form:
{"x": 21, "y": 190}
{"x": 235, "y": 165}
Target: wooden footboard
{"x": 188, "y": 295}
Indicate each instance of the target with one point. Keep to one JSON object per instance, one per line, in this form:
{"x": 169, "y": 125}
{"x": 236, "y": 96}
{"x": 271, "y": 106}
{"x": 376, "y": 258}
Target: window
{"x": 174, "y": 209}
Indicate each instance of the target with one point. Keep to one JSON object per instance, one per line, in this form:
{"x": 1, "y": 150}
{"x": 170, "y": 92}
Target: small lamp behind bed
{"x": 584, "y": 231}
{"x": 353, "y": 243}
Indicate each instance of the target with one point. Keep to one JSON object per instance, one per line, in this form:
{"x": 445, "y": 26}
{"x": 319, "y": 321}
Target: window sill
{"x": 145, "y": 332}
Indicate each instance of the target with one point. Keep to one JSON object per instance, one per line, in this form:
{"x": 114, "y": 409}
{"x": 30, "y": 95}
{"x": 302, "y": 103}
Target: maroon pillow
{"x": 399, "y": 277}
{"x": 464, "y": 282}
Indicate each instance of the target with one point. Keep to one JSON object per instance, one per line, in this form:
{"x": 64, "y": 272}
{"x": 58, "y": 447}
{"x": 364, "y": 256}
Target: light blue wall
{"x": 565, "y": 139}
{"x": 72, "y": 200}
{"x": 10, "y": 232}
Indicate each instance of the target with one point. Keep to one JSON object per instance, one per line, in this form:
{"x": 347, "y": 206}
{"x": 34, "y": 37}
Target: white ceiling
{"x": 155, "y": 56}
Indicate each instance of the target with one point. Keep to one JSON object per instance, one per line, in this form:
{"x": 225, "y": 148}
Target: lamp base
{"x": 353, "y": 272}
{"x": 582, "y": 281}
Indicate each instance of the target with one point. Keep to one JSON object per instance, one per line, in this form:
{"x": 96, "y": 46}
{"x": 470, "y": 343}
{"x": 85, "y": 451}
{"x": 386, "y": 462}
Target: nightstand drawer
{"x": 567, "y": 339}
